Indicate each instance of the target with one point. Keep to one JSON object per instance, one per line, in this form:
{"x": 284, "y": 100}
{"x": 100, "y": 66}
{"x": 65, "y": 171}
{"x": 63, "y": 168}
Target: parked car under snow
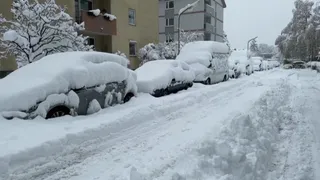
{"x": 71, "y": 83}
{"x": 245, "y": 65}
{"x": 163, "y": 77}
{"x": 212, "y": 55}
{"x": 257, "y": 63}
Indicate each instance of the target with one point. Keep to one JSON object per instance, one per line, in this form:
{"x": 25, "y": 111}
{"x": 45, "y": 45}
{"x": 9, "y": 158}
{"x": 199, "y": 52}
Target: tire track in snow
{"x": 50, "y": 158}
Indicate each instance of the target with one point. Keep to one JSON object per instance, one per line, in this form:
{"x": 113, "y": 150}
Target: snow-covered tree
{"x": 226, "y": 40}
{"x": 40, "y": 29}
{"x": 254, "y": 49}
{"x": 167, "y": 50}
{"x": 190, "y": 36}
{"x": 298, "y": 38}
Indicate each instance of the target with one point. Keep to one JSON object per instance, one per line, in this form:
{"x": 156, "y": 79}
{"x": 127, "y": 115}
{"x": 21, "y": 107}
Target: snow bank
{"x": 201, "y": 52}
{"x": 243, "y": 150}
{"x": 59, "y": 73}
{"x": 159, "y": 74}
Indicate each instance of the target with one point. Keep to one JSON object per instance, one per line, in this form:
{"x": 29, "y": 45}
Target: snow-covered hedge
{"x": 38, "y": 30}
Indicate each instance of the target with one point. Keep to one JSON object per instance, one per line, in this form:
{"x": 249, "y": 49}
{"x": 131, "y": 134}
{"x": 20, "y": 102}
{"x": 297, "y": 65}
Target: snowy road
{"x": 256, "y": 127}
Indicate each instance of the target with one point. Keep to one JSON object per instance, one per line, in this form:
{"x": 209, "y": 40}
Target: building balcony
{"x": 100, "y": 25}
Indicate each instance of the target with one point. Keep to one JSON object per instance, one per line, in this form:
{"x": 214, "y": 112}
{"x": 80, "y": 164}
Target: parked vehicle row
{"x": 239, "y": 63}
{"x": 81, "y": 83}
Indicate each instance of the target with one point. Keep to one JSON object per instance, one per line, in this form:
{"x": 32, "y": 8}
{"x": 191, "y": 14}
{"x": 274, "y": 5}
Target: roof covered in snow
{"x": 58, "y": 73}
{"x": 201, "y": 51}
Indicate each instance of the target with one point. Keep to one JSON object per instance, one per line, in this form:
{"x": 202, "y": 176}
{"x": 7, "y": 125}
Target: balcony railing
{"x": 101, "y": 24}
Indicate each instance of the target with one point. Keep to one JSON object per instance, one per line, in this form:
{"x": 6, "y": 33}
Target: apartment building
{"x": 136, "y": 25}
{"x": 206, "y": 17}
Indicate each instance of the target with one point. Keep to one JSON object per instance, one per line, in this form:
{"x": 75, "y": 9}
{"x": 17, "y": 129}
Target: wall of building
{"x": 192, "y": 21}
{"x": 144, "y": 31}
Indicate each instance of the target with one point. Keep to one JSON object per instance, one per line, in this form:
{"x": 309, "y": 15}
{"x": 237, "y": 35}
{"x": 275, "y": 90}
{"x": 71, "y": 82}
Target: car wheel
{"x": 190, "y": 84}
{"x": 224, "y": 78}
{"x": 58, "y": 111}
{"x": 128, "y": 97}
{"x": 208, "y": 81}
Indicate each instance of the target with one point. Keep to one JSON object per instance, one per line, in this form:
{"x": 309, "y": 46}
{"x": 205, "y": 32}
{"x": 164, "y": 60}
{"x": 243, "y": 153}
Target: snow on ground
{"x": 231, "y": 130}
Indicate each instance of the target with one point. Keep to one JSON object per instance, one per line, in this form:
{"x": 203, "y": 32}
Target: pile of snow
{"x": 159, "y": 74}
{"x": 110, "y": 16}
{"x": 94, "y": 107}
{"x": 201, "y": 52}
{"x": 244, "y": 148}
{"x": 60, "y": 73}
{"x": 201, "y": 72}
{"x": 97, "y": 12}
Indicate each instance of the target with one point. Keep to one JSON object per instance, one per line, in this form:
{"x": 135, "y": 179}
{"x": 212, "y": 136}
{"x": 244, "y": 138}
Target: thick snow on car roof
{"x": 201, "y": 51}
{"x": 59, "y": 73}
{"x": 158, "y": 74}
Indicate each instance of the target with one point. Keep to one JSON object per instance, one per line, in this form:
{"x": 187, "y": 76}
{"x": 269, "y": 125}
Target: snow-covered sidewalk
{"x": 226, "y": 131}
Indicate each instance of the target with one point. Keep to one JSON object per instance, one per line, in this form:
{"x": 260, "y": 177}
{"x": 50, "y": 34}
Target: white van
{"x": 209, "y": 59}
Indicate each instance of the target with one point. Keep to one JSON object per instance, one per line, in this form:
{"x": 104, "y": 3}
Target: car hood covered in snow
{"x": 59, "y": 73}
{"x": 158, "y": 74}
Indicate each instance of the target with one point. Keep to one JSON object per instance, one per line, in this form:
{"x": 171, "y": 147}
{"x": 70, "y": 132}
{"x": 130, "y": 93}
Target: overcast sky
{"x": 245, "y": 19}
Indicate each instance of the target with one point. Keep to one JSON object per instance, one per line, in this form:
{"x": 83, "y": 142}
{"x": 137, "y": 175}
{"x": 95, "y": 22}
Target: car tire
{"x": 58, "y": 111}
{"x": 225, "y": 78}
{"x": 128, "y": 97}
{"x": 208, "y": 81}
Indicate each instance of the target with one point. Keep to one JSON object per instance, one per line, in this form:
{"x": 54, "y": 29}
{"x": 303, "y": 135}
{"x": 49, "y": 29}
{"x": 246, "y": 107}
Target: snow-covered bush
{"x": 39, "y": 29}
{"x": 167, "y": 50}
{"x": 123, "y": 55}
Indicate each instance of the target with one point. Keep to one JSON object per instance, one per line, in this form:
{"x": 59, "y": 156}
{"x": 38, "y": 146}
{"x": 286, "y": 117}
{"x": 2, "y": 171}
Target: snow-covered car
{"x": 163, "y": 77}
{"x": 287, "y": 66}
{"x": 265, "y": 65}
{"x": 257, "y": 63}
{"x": 234, "y": 69}
{"x": 202, "y": 73}
{"x": 70, "y": 83}
{"x": 245, "y": 66}
{"x": 212, "y": 55}
{"x": 274, "y": 63}
{"x": 299, "y": 65}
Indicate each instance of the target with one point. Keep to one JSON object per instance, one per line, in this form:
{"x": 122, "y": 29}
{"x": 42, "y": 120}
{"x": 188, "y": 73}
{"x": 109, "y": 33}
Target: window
{"x": 132, "y": 48}
{"x": 169, "y": 4}
{"x": 82, "y": 5}
{"x": 91, "y": 41}
{"x": 170, "y": 22}
{"x": 207, "y": 36}
{"x": 132, "y": 17}
{"x": 169, "y": 38}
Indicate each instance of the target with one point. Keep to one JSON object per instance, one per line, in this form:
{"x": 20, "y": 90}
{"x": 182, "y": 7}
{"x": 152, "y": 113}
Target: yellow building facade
{"x": 136, "y": 25}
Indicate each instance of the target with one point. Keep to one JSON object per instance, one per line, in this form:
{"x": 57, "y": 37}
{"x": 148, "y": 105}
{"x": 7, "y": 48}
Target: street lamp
{"x": 248, "y": 45}
{"x": 183, "y": 10}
